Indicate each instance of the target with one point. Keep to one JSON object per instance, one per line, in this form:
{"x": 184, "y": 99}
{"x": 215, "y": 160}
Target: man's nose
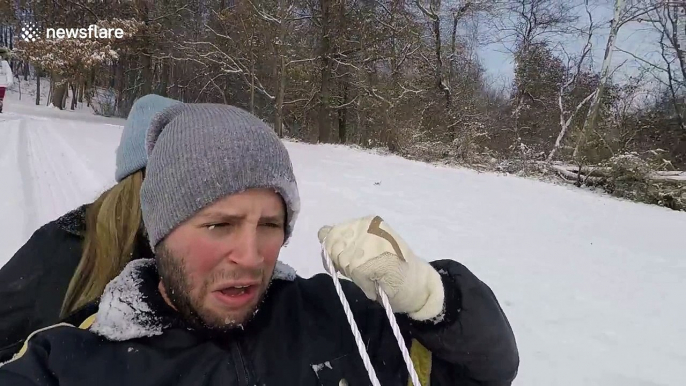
{"x": 246, "y": 252}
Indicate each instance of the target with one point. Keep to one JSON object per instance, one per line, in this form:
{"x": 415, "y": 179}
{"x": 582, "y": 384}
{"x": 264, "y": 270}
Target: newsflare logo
{"x": 29, "y": 32}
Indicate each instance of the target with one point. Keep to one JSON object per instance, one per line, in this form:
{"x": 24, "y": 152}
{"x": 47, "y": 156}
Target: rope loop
{"x": 356, "y": 332}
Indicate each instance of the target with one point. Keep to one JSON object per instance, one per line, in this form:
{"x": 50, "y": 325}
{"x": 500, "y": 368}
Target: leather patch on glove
{"x": 375, "y": 229}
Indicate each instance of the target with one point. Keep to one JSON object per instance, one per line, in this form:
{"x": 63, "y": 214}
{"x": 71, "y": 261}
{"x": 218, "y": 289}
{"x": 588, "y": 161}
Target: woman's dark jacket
{"x": 35, "y": 280}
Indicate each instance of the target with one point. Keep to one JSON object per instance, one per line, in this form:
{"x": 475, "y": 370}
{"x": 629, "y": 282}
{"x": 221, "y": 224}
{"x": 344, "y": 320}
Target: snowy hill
{"x": 593, "y": 286}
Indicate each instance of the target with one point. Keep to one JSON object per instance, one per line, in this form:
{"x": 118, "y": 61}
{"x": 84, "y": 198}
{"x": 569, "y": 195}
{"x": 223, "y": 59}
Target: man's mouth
{"x": 238, "y": 295}
{"x": 236, "y": 290}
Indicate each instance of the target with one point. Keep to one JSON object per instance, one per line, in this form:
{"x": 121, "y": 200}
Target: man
{"x": 215, "y": 307}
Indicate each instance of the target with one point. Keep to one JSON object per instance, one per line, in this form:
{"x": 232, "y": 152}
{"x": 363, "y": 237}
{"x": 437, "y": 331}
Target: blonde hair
{"x": 113, "y": 222}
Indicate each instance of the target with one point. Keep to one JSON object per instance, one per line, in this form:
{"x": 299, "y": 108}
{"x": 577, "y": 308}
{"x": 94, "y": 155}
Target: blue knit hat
{"x": 131, "y": 154}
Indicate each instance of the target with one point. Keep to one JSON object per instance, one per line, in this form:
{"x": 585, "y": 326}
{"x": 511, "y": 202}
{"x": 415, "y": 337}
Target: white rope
{"x": 353, "y": 325}
{"x": 398, "y": 336}
{"x": 356, "y": 332}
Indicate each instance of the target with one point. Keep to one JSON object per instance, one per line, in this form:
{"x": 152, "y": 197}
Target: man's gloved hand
{"x": 367, "y": 250}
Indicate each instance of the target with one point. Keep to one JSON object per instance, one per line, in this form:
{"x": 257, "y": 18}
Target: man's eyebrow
{"x": 221, "y": 217}
{"x": 279, "y": 218}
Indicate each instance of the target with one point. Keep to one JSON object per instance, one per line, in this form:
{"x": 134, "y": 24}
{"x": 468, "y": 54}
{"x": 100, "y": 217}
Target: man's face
{"x": 215, "y": 267}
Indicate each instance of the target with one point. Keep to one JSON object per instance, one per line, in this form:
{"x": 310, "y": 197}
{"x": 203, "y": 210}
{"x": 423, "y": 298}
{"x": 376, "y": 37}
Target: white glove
{"x": 367, "y": 251}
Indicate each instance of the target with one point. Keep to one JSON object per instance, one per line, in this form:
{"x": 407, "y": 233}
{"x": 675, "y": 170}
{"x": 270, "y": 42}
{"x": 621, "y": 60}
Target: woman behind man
{"x": 69, "y": 261}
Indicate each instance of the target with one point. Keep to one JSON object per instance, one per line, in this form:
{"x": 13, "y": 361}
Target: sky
{"x": 638, "y": 38}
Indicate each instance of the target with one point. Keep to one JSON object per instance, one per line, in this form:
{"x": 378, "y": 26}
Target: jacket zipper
{"x": 241, "y": 369}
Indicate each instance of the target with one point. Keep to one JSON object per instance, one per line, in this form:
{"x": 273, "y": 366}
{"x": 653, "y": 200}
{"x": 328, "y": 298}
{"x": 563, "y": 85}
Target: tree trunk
{"x": 674, "y": 14}
{"x": 252, "y": 85}
{"x": 453, "y": 48}
{"x": 65, "y": 96}
{"x": 391, "y": 130}
{"x": 147, "y": 73}
{"x": 59, "y": 92}
{"x": 174, "y": 79}
{"x": 90, "y": 85}
{"x": 360, "y": 126}
{"x": 343, "y": 113}
{"x": 441, "y": 82}
{"x": 119, "y": 75}
{"x": 680, "y": 53}
{"x": 278, "y": 122}
{"x": 281, "y": 62}
{"x": 564, "y": 123}
{"x": 38, "y": 74}
{"x": 146, "y": 54}
{"x": 324, "y": 130}
{"x": 440, "y": 79}
{"x": 164, "y": 77}
{"x": 74, "y": 95}
{"x": 49, "y": 98}
{"x": 590, "y": 123}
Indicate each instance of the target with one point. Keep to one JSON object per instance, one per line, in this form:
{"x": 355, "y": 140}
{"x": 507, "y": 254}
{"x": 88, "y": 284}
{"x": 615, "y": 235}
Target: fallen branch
{"x": 573, "y": 176}
{"x": 572, "y": 171}
{"x": 658, "y": 176}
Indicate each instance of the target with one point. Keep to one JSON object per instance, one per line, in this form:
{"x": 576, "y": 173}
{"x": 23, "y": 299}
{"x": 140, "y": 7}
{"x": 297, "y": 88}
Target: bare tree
{"x": 574, "y": 71}
{"x": 624, "y": 12}
{"x": 667, "y": 22}
{"x": 522, "y": 24}
{"x": 590, "y": 123}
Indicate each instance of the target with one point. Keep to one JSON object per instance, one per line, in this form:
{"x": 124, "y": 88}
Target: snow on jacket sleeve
{"x": 473, "y": 345}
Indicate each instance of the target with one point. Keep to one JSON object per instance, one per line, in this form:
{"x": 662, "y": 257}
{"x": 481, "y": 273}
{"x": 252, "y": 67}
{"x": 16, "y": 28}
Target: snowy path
{"x": 11, "y": 189}
{"x": 50, "y": 176}
{"x": 593, "y": 286}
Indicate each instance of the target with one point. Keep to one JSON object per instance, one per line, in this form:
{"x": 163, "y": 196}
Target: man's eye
{"x": 217, "y": 226}
{"x": 273, "y": 225}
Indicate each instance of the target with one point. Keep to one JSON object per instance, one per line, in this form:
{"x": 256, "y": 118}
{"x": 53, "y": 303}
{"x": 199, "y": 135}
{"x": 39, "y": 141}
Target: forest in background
{"x": 401, "y": 75}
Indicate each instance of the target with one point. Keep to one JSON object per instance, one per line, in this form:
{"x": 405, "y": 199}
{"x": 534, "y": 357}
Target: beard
{"x": 179, "y": 291}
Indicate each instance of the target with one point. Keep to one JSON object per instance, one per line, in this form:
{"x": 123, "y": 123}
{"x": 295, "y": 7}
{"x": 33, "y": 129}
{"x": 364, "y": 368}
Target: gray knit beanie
{"x": 200, "y": 153}
{"x": 131, "y": 155}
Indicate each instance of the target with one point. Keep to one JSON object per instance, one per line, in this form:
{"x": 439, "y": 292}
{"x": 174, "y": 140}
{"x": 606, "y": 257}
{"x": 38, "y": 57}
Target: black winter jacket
{"x": 300, "y": 336}
{"x": 35, "y": 280}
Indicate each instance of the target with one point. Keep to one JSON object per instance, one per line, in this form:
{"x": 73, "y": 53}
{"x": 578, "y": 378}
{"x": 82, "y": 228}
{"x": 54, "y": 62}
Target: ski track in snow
{"x": 11, "y": 189}
{"x": 593, "y": 286}
{"x": 28, "y": 177}
{"x": 54, "y": 177}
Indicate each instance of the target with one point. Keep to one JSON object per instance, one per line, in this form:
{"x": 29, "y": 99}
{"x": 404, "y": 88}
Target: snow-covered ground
{"x": 50, "y": 161}
{"x": 594, "y": 286}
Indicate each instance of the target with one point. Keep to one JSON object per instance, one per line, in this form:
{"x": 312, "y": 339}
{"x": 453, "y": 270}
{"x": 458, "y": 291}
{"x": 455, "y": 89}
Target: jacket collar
{"x": 74, "y": 222}
{"x": 131, "y": 306}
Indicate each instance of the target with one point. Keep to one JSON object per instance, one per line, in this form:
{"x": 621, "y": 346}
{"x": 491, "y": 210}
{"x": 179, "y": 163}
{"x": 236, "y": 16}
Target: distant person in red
{"x": 6, "y": 77}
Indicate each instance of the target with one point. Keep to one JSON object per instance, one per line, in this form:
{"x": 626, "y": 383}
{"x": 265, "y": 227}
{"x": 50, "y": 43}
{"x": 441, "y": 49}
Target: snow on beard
{"x": 172, "y": 273}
